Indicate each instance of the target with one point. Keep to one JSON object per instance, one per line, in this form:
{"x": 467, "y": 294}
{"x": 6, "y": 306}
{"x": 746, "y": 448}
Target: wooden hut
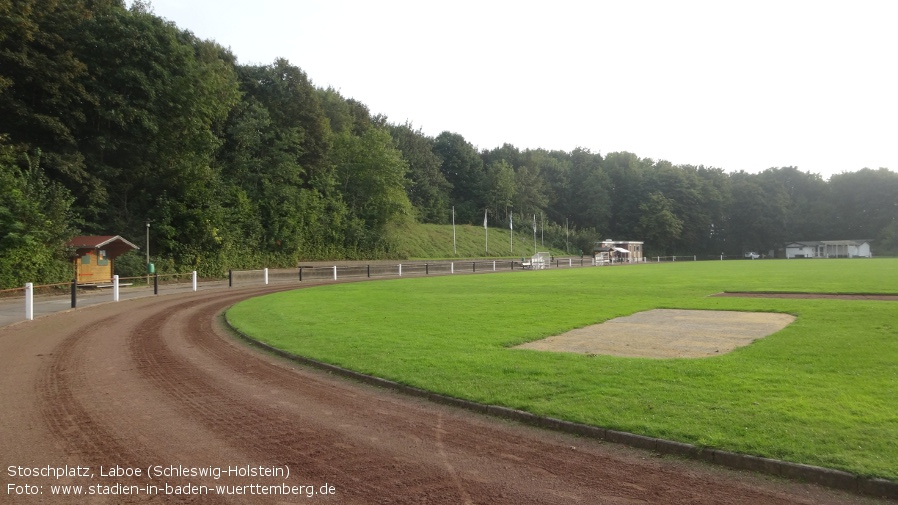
{"x": 94, "y": 257}
{"x": 619, "y": 251}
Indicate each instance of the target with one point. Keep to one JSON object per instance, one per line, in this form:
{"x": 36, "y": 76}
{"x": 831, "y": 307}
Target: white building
{"x": 829, "y": 249}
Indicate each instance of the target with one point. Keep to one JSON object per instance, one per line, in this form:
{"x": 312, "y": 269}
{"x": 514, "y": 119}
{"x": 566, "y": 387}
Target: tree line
{"x": 111, "y": 117}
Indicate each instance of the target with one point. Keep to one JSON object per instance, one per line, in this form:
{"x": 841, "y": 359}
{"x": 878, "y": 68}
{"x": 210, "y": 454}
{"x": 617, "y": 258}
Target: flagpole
{"x": 542, "y": 229}
{"x": 486, "y": 233}
{"x": 454, "y": 248}
{"x": 511, "y": 229}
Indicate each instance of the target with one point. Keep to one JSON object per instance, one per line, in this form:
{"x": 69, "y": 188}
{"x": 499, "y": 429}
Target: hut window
{"x": 85, "y": 260}
{"x": 103, "y": 260}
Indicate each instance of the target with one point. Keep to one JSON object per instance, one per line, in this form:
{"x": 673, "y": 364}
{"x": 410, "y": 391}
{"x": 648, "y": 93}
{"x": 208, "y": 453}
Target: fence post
{"x": 452, "y": 267}
{"x": 693, "y": 258}
{"x": 115, "y": 288}
{"x": 74, "y": 292}
{"x": 300, "y": 274}
{"x": 156, "y": 284}
{"x": 400, "y": 270}
{"x": 570, "y": 262}
{"x": 194, "y": 280}
{"x": 29, "y": 301}
{"x": 335, "y": 272}
{"x": 474, "y": 266}
{"x": 426, "y": 269}
{"x": 231, "y": 278}
{"x": 494, "y": 265}
{"x": 265, "y": 275}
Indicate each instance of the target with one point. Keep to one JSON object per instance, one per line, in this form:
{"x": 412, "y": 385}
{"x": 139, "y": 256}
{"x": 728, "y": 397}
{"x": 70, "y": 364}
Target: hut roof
{"x": 114, "y": 245}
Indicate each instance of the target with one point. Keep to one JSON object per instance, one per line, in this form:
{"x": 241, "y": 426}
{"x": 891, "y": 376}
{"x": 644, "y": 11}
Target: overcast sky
{"x": 735, "y": 85}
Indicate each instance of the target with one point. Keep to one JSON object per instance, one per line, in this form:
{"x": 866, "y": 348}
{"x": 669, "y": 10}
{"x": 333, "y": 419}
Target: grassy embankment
{"x": 822, "y": 391}
{"x": 434, "y": 241}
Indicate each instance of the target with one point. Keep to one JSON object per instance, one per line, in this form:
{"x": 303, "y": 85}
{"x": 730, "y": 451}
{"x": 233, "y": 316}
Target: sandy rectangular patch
{"x": 667, "y": 333}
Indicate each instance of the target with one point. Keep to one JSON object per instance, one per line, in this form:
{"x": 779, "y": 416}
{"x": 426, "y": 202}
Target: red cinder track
{"x": 158, "y": 384}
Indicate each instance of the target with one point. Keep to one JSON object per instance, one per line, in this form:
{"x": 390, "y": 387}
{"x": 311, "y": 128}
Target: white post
{"x": 494, "y": 265}
{"x": 452, "y": 268}
{"x": 265, "y": 275}
{"x": 194, "y": 280}
{"x": 400, "y": 270}
{"x": 29, "y": 301}
{"x": 115, "y": 288}
{"x": 693, "y": 258}
{"x": 454, "y": 248}
{"x": 335, "y": 272}
{"x": 570, "y": 262}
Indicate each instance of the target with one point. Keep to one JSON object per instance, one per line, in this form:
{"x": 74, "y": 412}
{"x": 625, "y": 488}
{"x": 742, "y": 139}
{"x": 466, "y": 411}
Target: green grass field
{"x": 823, "y": 391}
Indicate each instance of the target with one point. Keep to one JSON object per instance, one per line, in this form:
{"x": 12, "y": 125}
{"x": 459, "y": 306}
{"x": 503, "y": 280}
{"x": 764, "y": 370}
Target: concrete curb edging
{"x": 836, "y": 479}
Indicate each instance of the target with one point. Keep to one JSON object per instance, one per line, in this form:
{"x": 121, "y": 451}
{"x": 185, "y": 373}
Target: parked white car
{"x": 752, "y": 255}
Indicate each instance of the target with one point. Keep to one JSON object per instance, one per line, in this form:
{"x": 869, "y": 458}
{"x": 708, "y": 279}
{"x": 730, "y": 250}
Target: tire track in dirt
{"x": 83, "y": 435}
{"x": 248, "y": 425}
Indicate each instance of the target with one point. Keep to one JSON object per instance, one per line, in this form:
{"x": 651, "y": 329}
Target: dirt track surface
{"x": 158, "y": 384}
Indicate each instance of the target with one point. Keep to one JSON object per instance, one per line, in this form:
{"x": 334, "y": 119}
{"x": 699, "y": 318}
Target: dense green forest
{"x": 111, "y": 117}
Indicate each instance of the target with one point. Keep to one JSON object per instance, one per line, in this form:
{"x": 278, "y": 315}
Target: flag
{"x": 484, "y": 219}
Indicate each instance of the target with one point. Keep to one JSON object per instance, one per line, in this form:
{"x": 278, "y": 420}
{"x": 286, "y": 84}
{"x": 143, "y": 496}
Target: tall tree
{"x": 682, "y": 188}
{"x": 293, "y": 104}
{"x": 555, "y": 168}
{"x": 164, "y": 96}
{"x": 499, "y": 188}
{"x": 463, "y": 169}
{"x": 716, "y": 193}
{"x": 42, "y": 88}
{"x": 371, "y": 176}
{"x": 34, "y": 221}
{"x": 530, "y": 190}
{"x": 344, "y": 115}
{"x": 659, "y": 226}
{"x": 865, "y": 202}
{"x": 592, "y": 201}
{"x": 757, "y": 215}
{"x": 279, "y": 163}
{"x": 810, "y": 207}
{"x": 428, "y": 189}
{"x": 625, "y": 171}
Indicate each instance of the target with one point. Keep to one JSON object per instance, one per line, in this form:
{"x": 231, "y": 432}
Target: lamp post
{"x": 148, "y": 252}
{"x": 148, "y": 243}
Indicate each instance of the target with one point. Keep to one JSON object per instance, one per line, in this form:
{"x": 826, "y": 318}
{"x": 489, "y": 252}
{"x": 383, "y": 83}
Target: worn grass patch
{"x": 821, "y": 391}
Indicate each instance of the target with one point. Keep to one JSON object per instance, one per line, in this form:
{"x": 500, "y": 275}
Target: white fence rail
{"x": 321, "y": 272}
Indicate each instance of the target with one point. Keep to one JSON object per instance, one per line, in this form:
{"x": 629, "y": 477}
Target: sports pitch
{"x": 821, "y": 391}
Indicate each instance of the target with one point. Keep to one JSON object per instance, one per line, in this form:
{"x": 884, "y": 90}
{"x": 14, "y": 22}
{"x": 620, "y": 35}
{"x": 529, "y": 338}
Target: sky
{"x": 732, "y": 85}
